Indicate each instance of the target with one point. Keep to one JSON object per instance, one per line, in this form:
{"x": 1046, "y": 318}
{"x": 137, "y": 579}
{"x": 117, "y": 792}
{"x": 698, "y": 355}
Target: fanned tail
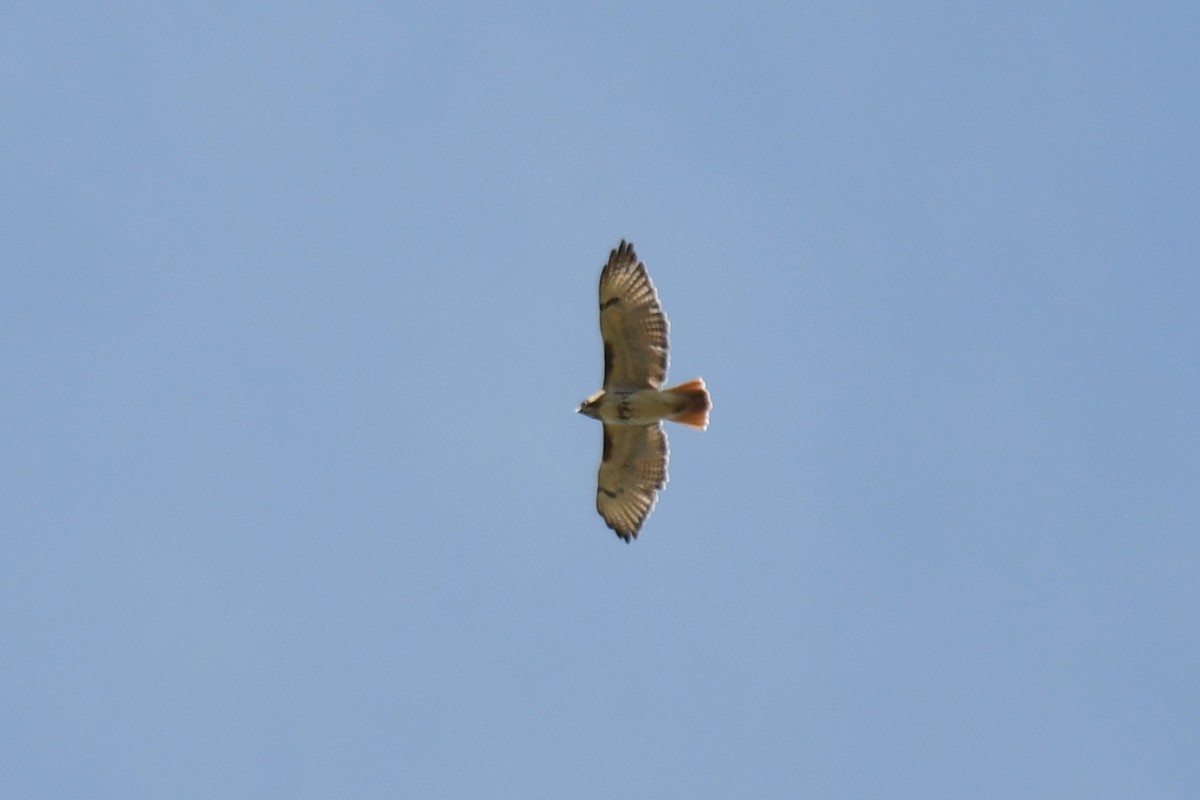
{"x": 695, "y": 404}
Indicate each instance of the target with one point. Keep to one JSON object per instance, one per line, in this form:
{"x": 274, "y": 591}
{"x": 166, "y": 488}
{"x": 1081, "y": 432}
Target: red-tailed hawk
{"x": 632, "y": 404}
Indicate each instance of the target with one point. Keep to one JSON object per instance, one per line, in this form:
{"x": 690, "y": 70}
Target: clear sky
{"x": 299, "y": 300}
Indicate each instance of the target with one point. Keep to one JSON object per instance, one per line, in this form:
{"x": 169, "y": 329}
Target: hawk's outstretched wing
{"x": 632, "y": 324}
{"x": 632, "y": 470}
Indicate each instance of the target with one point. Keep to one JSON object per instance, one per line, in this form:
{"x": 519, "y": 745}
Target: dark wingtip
{"x": 624, "y": 248}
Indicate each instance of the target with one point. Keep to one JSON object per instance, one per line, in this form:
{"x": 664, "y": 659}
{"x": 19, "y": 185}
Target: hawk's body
{"x": 632, "y": 405}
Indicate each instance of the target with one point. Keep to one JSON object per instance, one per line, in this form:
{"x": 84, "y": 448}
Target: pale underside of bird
{"x": 633, "y": 404}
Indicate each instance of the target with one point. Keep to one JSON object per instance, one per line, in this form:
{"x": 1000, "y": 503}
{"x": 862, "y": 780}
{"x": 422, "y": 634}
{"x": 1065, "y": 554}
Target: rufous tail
{"x": 695, "y": 404}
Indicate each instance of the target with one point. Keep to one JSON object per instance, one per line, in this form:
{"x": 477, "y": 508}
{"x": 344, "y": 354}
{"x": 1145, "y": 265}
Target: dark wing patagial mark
{"x": 632, "y": 323}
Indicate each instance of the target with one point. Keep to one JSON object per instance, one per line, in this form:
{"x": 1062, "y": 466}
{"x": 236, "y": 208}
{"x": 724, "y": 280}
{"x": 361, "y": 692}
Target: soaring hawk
{"x": 632, "y": 404}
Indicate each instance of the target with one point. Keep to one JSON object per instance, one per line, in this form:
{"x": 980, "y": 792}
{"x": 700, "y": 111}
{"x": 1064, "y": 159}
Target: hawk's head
{"x": 591, "y": 406}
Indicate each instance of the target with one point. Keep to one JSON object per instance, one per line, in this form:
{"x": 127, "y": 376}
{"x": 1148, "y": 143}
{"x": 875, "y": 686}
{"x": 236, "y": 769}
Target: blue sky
{"x": 299, "y": 300}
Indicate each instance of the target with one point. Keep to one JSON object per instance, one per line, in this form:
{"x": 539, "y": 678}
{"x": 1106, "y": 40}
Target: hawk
{"x": 633, "y": 404}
